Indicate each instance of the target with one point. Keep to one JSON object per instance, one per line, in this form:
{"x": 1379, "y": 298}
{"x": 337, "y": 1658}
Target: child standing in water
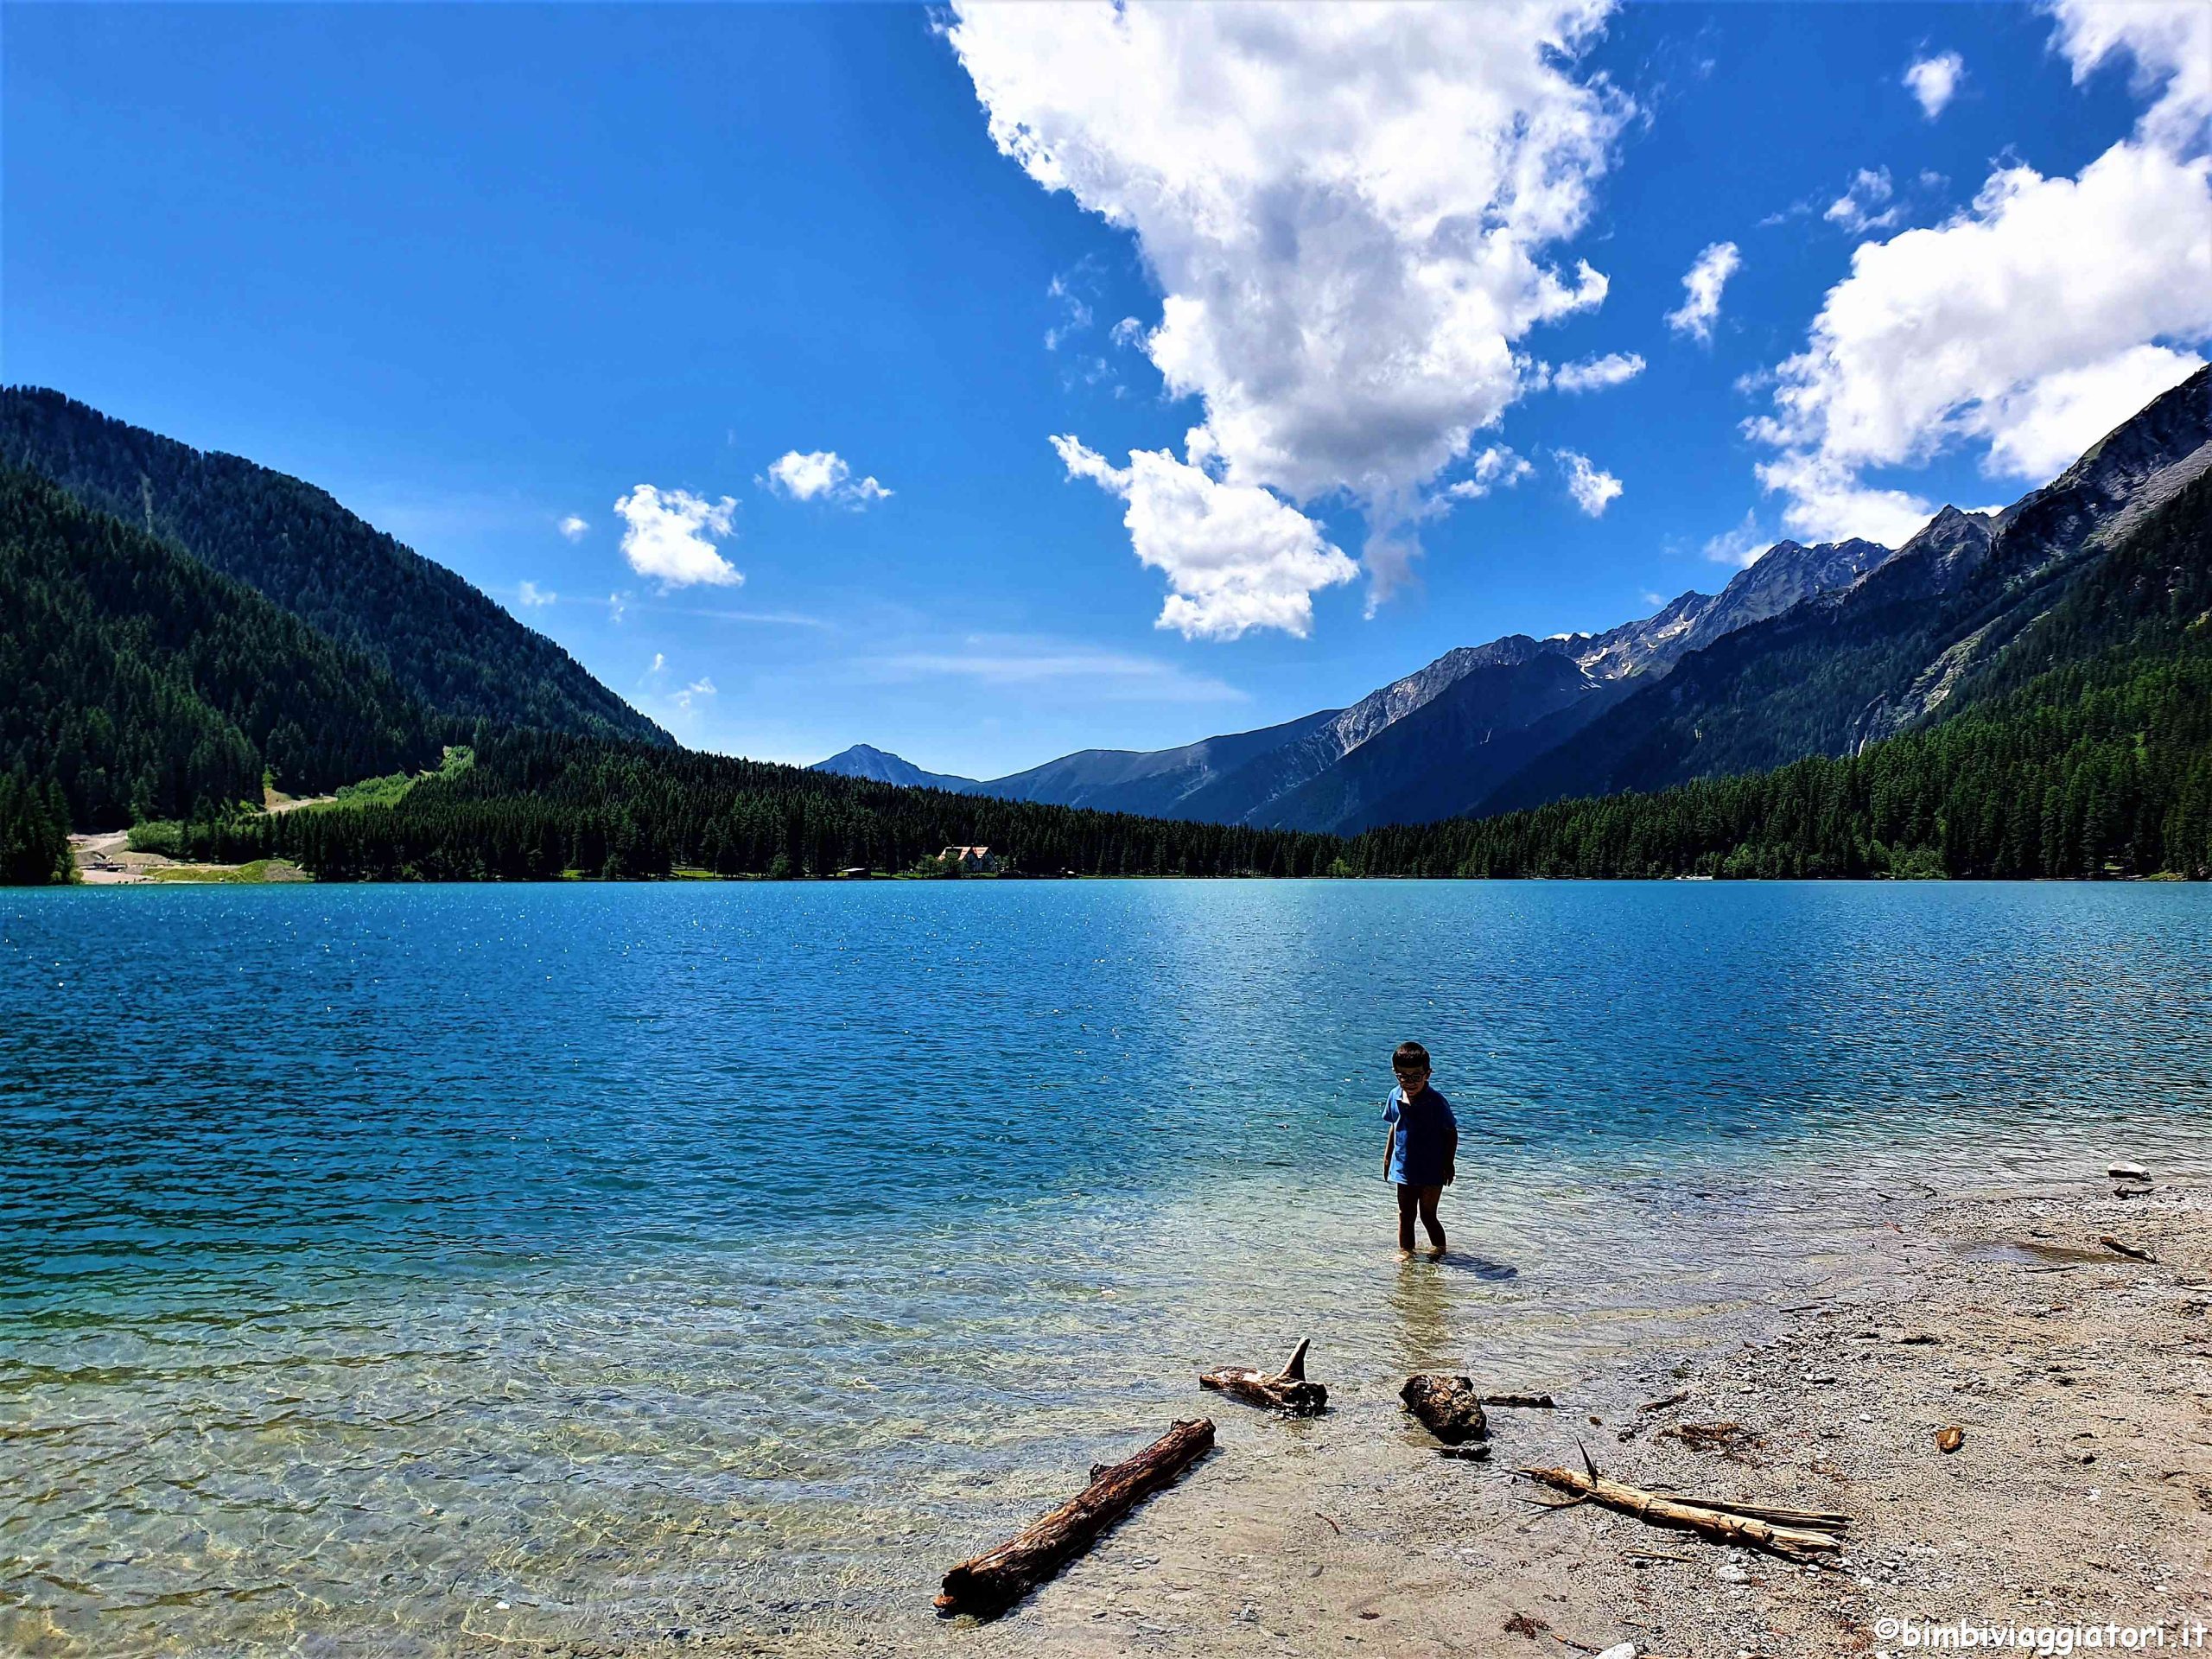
{"x": 1420, "y": 1153}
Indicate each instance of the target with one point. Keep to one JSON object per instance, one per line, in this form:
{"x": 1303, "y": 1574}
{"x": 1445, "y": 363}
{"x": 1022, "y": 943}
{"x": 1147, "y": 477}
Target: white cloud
{"x": 657, "y": 667}
{"x": 1128, "y": 332}
{"x": 2021, "y": 324}
{"x": 1078, "y": 316}
{"x": 1934, "y": 80}
{"x": 1496, "y": 468}
{"x": 822, "y": 475}
{"x": 1351, "y": 209}
{"x": 531, "y": 596}
{"x": 701, "y": 687}
{"x": 1236, "y": 557}
{"x": 573, "y": 528}
{"x": 1086, "y": 670}
{"x": 1592, "y": 488}
{"x": 670, "y": 535}
{"x": 1597, "y": 373}
{"x": 1701, "y": 288}
{"x": 1855, "y": 208}
{"x": 2171, "y": 42}
{"x": 1740, "y": 546}
{"x": 616, "y": 605}
{"x": 2038, "y": 430}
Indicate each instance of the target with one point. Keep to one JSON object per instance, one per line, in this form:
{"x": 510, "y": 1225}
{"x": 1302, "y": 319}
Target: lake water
{"x": 391, "y": 1268}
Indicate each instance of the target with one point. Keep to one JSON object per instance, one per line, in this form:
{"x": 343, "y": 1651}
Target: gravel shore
{"x": 2081, "y": 1379}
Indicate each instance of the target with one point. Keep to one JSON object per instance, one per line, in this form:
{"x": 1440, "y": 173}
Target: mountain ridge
{"x": 438, "y": 635}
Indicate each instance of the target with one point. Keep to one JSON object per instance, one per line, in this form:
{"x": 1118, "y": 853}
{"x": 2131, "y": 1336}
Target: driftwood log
{"x": 1286, "y": 1390}
{"x": 989, "y": 1584}
{"x": 1447, "y": 1405}
{"x": 1797, "y": 1535}
{"x": 1530, "y": 1401}
{"x": 2124, "y": 1247}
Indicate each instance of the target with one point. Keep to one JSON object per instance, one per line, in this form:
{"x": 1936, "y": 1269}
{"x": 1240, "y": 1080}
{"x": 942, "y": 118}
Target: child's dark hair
{"x": 1409, "y": 1054}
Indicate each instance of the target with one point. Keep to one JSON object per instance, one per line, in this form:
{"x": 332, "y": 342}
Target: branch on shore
{"x": 1796, "y": 1535}
{"x": 988, "y": 1585}
{"x": 2134, "y": 1252}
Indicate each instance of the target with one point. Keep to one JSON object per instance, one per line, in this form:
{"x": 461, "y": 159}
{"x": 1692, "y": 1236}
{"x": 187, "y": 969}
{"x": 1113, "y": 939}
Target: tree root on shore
{"x": 1286, "y": 1391}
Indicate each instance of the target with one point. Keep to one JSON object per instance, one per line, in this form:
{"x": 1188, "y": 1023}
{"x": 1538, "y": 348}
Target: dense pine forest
{"x": 437, "y": 636}
{"x": 141, "y": 684}
{"x": 148, "y": 689}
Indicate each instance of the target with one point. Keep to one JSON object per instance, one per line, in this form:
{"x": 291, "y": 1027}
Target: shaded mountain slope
{"x": 1162, "y": 781}
{"x": 1838, "y": 672}
{"x": 438, "y": 636}
{"x": 881, "y": 766}
{"x": 143, "y": 685}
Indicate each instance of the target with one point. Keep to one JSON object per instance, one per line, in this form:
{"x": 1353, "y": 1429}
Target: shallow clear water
{"x": 373, "y": 1257}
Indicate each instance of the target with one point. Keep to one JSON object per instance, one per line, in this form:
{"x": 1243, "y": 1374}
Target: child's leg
{"x": 1408, "y": 1198}
{"x": 1429, "y": 1195}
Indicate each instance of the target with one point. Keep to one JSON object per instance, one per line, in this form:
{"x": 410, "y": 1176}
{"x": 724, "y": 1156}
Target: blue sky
{"x": 483, "y": 270}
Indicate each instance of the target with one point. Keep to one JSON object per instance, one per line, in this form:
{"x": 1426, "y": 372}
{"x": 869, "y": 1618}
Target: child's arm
{"x": 1452, "y": 1151}
{"x": 1389, "y": 1146}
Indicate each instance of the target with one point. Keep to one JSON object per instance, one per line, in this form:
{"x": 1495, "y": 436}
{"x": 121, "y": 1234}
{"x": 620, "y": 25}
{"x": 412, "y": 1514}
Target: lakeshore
{"x": 488, "y": 1287}
{"x": 2079, "y": 1498}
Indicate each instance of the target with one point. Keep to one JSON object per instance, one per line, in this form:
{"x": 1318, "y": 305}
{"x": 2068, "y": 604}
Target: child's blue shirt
{"x": 1421, "y": 1151}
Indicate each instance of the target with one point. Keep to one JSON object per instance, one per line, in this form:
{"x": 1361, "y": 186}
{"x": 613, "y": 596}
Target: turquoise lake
{"x": 387, "y": 1269}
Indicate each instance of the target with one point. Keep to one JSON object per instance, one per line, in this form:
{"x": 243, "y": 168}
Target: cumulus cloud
{"x": 2027, "y": 324}
{"x": 1592, "y": 488}
{"x": 1236, "y": 557}
{"x": 1352, "y": 210}
{"x": 701, "y": 687}
{"x": 822, "y": 475}
{"x": 1934, "y": 80}
{"x": 1496, "y": 468}
{"x": 1741, "y": 546}
{"x": 1701, "y": 287}
{"x": 573, "y": 528}
{"x": 1128, "y": 332}
{"x": 530, "y": 596}
{"x": 1861, "y": 208}
{"x": 670, "y": 535}
{"x": 2170, "y": 44}
{"x": 1596, "y": 373}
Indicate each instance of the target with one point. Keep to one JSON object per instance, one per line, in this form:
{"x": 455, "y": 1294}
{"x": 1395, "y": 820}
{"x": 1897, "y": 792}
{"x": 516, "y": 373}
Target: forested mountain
{"x": 436, "y": 635}
{"x": 1438, "y": 740}
{"x": 2083, "y": 748}
{"x": 142, "y": 684}
{"x": 2024, "y": 695}
{"x": 1832, "y": 675}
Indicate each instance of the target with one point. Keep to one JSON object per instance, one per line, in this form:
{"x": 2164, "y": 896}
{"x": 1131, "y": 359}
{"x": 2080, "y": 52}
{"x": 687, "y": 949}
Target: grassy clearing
{"x": 259, "y": 872}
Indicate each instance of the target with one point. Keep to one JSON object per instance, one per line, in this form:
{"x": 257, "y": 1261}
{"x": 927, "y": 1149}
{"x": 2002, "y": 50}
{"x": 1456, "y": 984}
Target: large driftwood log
{"x": 1802, "y": 1536}
{"x": 1285, "y": 1390}
{"x": 1448, "y": 1406}
{"x": 989, "y": 1584}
